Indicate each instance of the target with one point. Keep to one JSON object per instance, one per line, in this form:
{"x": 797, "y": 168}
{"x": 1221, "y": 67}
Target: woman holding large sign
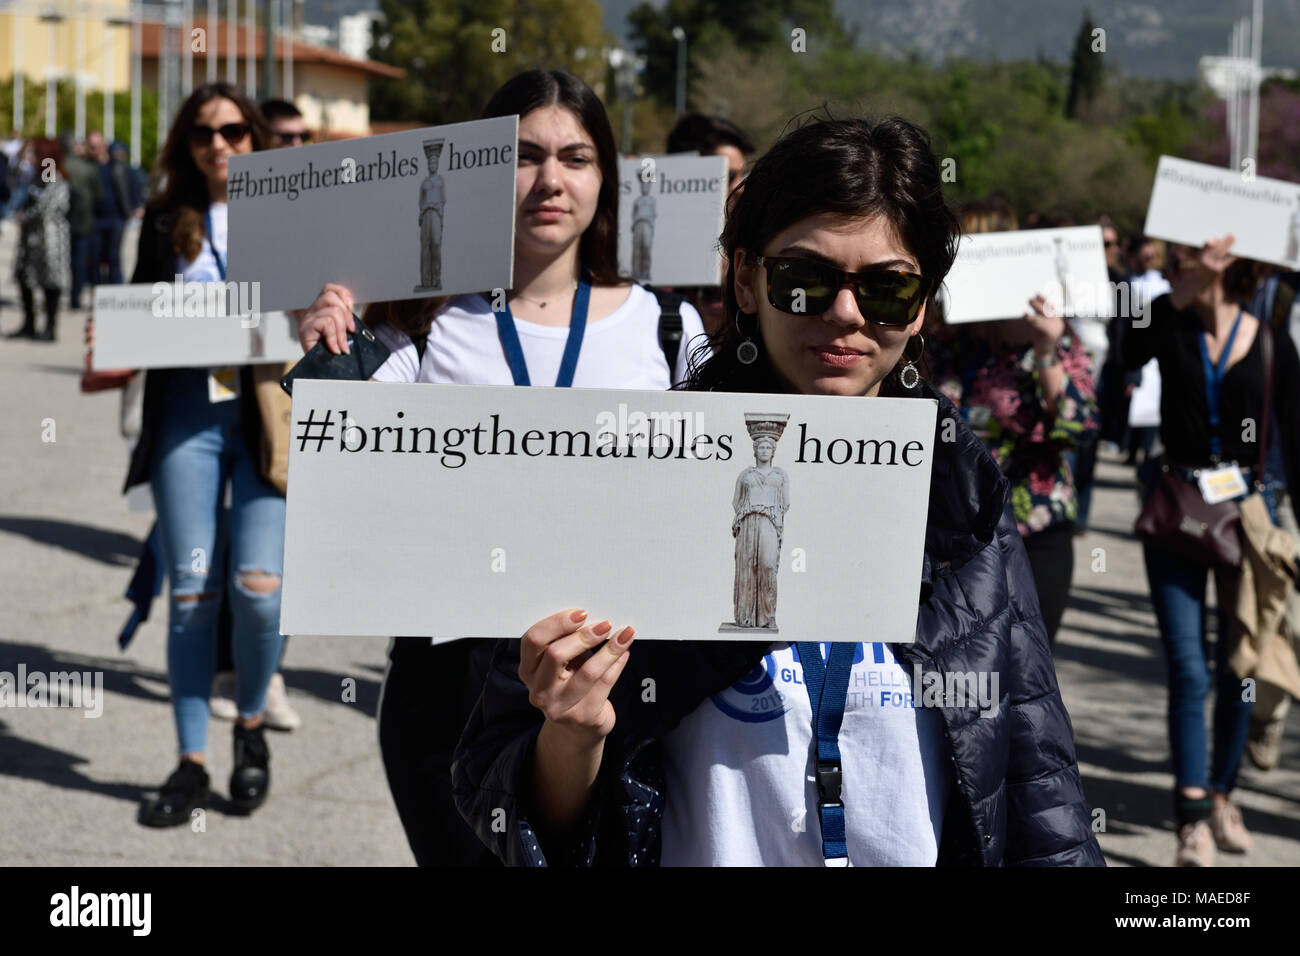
{"x": 201, "y": 434}
{"x": 580, "y": 751}
{"x": 568, "y": 320}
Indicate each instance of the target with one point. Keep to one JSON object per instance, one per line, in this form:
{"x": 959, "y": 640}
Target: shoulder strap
{"x": 1266, "y": 351}
{"x": 420, "y": 341}
{"x": 670, "y": 325}
{"x": 1284, "y": 298}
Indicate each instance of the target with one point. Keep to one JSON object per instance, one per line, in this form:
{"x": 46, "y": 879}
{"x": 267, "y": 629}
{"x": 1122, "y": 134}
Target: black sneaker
{"x": 185, "y": 791}
{"x": 251, "y": 778}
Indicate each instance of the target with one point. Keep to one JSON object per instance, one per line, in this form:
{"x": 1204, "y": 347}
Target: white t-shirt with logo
{"x": 740, "y": 770}
{"x": 620, "y": 350}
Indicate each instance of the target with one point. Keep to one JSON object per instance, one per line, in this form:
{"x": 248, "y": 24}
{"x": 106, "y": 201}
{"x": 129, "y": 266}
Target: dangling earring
{"x": 909, "y": 377}
{"x": 746, "y": 351}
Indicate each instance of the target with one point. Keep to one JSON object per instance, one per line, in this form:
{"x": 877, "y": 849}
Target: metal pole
{"x": 290, "y": 35}
{"x": 250, "y": 48}
{"x": 109, "y": 27}
{"x": 268, "y": 36}
{"x": 137, "y": 82}
{"x": 210, "y": 47}
{"x": 18, "y": 73}
{"x": 78, "y": 81}
{"x": 232, "y": 40}
{"x": 1256, "y": 42}
{"x": 51, "y": 87}
{"x": 187, "y": 49}
{"x": 680, "y": 36}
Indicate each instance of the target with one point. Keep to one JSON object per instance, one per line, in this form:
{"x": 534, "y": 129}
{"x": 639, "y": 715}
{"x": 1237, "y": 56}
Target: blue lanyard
{"x": 577, "y": 327}
{"x": 221, "y": 263}
{"x": 828, "y": 690}
{"x": 1214, "y": 382}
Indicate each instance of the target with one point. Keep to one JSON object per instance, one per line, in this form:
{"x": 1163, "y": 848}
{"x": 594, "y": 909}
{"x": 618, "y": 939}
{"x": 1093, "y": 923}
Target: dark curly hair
{"x": 846, "y": 167}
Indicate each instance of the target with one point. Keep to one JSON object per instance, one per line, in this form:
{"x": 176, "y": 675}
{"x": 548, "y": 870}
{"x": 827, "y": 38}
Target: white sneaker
{"x": 221, "y": 702}
{"x": 279, "y": 714}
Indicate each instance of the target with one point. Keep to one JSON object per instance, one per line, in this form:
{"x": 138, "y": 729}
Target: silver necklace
{"x": 538, "y": 302}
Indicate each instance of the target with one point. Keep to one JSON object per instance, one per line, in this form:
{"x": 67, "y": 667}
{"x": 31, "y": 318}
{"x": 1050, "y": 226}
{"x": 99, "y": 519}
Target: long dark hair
{"x": 598, "y": 248}
{"x": 846, "y": 167}
{"x": 178, "y": 185}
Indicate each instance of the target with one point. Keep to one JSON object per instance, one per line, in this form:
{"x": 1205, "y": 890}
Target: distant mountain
{"x": 1158, "y": 38}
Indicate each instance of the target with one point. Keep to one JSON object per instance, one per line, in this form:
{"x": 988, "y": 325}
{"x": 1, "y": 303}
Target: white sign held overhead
{"x": 188, "y": 325}
{"x": 995, "y": 274}
{"x": 478, "y": 510}
{"x": 670, "y": 214}
{"x": 1192, "y": 203}
{"x": 421, "y": 213}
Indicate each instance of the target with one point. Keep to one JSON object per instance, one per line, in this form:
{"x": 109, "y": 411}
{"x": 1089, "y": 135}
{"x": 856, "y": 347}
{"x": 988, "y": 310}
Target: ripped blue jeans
{"x": 200, "y": 448}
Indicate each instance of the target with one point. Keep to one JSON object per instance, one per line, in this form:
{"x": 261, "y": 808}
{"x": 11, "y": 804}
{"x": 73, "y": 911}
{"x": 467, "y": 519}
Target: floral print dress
{"x": 997, "y": 391}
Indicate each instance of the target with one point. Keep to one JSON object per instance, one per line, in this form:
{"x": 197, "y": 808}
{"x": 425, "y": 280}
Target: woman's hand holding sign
{"x": 329, "y": 318}
{"x": 569, "y": 670}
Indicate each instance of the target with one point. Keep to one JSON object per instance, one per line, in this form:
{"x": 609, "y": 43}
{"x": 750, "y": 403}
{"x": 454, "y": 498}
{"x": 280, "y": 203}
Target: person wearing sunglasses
{"x": 564, "y": 751}
{"x": 201, "y": 432}
{"x": 286, "y": 122}
{"x": 1025, "y": 387}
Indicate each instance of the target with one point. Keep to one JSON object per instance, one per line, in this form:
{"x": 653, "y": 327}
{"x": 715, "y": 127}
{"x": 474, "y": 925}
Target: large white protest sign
{"x": 455, "y": 510}
{"x": 1192, "y": 203}
{"x": 997, "y": 273}
{"x": 188, "y": 325}
{"x": 670, "y": 214}
{"x": 427, "y": 212}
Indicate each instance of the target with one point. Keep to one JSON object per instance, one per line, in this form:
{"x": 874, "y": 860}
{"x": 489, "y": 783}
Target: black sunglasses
{"x": 807, "y": 287}
{"x": 232, "y": 133}
{"x": 289, "y": 139}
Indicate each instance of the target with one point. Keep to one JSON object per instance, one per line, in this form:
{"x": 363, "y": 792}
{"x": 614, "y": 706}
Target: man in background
{"x": 111, "y": 212}
{"x": 84, "y": 186}
{"x": 711, "y": 136}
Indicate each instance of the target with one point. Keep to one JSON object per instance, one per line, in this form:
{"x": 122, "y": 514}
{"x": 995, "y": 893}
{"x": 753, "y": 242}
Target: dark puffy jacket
{"x": 1018, "y": 798}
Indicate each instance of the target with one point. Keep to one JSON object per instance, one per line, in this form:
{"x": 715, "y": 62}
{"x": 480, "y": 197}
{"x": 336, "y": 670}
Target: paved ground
{"x": 70, "y": 786}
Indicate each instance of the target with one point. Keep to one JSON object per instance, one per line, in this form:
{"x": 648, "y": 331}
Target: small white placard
{"x": 426, "y": 212}
{"x": 670, "y": 214}
{"x": 187, "y": 324}
{"x": 455, "y": 510}
{"x": 1192, "y": 203}
{"x": 995, "y": 274}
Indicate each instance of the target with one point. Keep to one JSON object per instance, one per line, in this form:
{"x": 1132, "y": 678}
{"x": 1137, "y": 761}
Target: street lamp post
{"x": 51, "y": 83}
{"x": 680, "y": 36}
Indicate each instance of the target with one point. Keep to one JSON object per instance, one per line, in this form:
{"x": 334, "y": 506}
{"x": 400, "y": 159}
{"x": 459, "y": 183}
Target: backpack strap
{"x": 420, "y": 341}
{"x": 670, "y": 325}
{"x": 1284, "y": 299}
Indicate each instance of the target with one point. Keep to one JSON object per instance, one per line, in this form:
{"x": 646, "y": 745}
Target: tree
{"x": 713, "y": 25}
{"x": 1086, "y": 71}
{"x": 456, "y": 52}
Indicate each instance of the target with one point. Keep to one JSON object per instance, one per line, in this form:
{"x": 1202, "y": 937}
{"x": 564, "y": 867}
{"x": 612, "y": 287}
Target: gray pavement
{"x": 70, "y": 786}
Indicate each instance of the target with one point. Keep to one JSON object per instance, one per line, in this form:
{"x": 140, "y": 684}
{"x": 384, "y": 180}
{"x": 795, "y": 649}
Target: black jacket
{"x": 156, "y": 262}
{"x": 1018, "y": 797}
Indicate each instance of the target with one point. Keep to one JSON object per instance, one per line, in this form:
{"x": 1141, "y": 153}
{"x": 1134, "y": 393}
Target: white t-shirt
{"x": 204, "y": 267}
{"x": 620, "y": 350}
{"x": 741, "y": 786}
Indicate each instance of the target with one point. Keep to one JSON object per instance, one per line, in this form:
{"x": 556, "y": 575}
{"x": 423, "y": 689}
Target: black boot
{"x": 28, "y": 330}
{"x": 185, "y": 791}
{"x": 251, "y": 778}
{"x": 51, "y": 315}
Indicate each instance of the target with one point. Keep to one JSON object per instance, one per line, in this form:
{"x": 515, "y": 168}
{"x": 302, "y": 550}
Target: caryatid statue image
{"x": 761, "y": 500}
{"x": 433, "y": 205}
{"x": 643, "y": 231}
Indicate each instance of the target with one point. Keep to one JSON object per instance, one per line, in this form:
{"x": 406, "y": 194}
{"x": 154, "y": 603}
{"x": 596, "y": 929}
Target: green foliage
{"x": 66, "y": 113}
{"x": 452, "y": 68}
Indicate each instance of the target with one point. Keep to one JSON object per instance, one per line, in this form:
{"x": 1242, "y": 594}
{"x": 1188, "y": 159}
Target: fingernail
{"x": 578, "y": 615}
{"x": 625, "y": 637}
{"x": 601, "y": 629}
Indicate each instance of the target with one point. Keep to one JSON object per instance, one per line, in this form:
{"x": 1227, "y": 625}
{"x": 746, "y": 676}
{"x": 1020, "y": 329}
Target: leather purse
{"x": 1176, "y": 518}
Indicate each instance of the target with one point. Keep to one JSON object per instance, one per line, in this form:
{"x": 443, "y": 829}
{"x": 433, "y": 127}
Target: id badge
{"x": 223, "y": 384}
{"x": 1221, "y": 484}
{"x": 979, "y": 416}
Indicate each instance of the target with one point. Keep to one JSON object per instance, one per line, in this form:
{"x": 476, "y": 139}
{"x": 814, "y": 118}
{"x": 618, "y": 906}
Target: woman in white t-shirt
{"x": 834, "y": 247}
{"x": 567, "y": 297}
